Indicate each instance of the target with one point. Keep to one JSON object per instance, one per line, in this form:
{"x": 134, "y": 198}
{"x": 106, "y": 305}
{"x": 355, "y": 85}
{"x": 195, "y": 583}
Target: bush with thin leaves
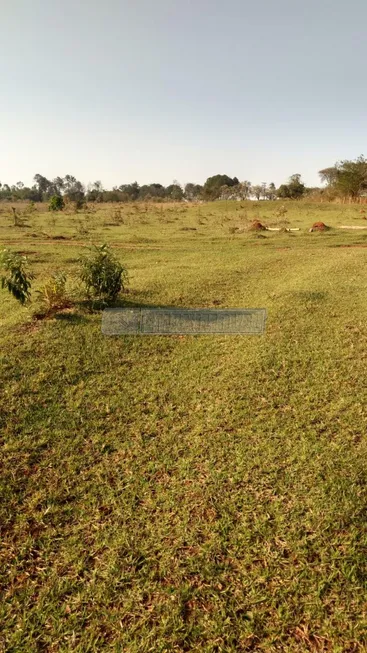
{"x": 15, "y": 276}
{"x": 56, "y": 203}
{"x": 102, "y": 274}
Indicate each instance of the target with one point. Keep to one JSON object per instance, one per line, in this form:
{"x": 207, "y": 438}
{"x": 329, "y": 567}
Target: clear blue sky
{"x": 156, "y": 90}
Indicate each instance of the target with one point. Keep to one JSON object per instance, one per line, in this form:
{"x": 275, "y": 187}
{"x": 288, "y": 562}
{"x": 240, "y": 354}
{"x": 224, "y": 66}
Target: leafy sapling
{"x": 15, "y": 276}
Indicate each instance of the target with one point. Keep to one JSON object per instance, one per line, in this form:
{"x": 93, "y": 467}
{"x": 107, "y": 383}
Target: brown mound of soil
{"x": 319, "y": 226}
{"x": 257, "y": 226}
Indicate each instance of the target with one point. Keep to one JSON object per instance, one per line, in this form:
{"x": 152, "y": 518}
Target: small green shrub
{"x": 17, "y": 279}
{"x": 52, "y": 294}
{"x": 102, "y": 274}
{"x": 56, "y": 203}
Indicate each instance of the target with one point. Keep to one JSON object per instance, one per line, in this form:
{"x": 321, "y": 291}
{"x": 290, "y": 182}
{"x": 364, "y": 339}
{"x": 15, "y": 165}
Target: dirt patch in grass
{"x": 319, "y": 226}
{"x": 256, "y": 225}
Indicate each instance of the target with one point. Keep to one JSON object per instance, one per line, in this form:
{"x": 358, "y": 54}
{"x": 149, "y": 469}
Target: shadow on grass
{"x": 71, "y": 318}
{"x": 97, "y": 306}
{"x": 309, "y": 295}
{"x": 85, "y": 309}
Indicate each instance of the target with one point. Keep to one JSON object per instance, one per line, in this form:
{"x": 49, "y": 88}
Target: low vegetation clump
{"x": 52, "y": 294}
{"x": 117, "y": 217}
{"x": 281, "y": 212}
{"x": 79, "y": 203}
{"x": 30, "y": 208}
{"x": 20, "y": 218}
{"x": 102, "y": 274}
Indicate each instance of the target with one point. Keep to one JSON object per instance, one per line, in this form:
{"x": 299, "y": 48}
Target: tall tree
{"x": 43, "y": 185}
{"x": 58, "y": 184}
{"x": 193, "y": 191}
{"x": 213, "y": 185}
{"x": 256, "y": 191}
{"x": 130, "y": 192}
{"x": 240, "y": 191}
{"x": 245, "y": 189}
{"x": 174, "y": 192}
{"x": 294, "y": 189}
{"x": 283, "y": 192}
{"x": 271, "y": 192}
{"x": 351, "y": 177}
{"x": 95, "y": 192}
{"x": 73, "y": 189}
{"x": 329, "y": 175}
{"x": 296, "y": 186}
{"x": 151, "y": 191}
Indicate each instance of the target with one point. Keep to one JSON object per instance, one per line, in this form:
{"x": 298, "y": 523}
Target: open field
{"x": 201, "y": 494}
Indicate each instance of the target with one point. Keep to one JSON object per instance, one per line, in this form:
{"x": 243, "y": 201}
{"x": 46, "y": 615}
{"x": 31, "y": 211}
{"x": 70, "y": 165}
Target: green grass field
{"x": 203, "y": 493}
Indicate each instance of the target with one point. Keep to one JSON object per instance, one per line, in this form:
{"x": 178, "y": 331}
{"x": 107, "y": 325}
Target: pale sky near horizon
{"x": 156, "y": 90}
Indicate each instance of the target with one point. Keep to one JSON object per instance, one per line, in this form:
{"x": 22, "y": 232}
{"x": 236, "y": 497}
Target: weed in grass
{"x": 52, "y": 294}
{"x": 19, "y": 218}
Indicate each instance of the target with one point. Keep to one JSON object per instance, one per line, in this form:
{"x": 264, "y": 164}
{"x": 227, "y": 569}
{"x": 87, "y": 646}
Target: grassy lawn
{"x": 204, "y": 493}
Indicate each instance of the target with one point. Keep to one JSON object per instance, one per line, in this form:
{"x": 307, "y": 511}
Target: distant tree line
{"x": 215, "y": 187}
{"x": 346, "y": 178}
{"x": 43, "y": 189}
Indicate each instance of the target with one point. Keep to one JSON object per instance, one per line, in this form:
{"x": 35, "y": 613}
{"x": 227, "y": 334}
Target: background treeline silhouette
{"x": 345, "y": 179}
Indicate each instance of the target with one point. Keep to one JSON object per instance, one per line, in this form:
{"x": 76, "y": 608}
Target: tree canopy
{"x": 213, "y": 185}
{"x": 294, "y": 189}
{"x": 347, "y": 178}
